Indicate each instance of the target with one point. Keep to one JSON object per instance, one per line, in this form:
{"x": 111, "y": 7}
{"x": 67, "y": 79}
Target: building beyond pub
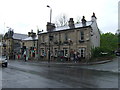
{"x": 12, "y": 44}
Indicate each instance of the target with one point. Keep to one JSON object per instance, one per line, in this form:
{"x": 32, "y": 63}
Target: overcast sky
{"x": 24, "y": 15}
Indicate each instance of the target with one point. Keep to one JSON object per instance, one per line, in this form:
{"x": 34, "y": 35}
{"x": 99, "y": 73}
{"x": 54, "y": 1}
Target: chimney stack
{"x": 93, "y": 17}
{"x": 71, "y": 23}
{"x": 29, "y": 34}
{"x": 50, "y": 26}
{"x": 83, "y": 21}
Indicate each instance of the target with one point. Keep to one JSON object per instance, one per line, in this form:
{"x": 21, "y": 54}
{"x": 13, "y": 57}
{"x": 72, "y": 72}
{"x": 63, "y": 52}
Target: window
{"x": 81, "y": 35}
{"x": 55, "y": 37}
{"x": 23, "y": 43}
{"x": 82, "y": 52}
{"x": 42, "y": 38}
{"x": 55, "y": 51}
{"x": 66, "y": 36}
{"x": 42, "y": 51}
{"x": 34, "y": 43}
{"x": 65, "y": 51}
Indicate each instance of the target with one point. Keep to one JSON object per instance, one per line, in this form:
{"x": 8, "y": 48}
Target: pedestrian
{"x": 75, "y": 57}
{"x": 72, "y": 55}
{"x": 79, "y": 58}
{"x": 24, "y": 56}
{"x": 18, "y": 56}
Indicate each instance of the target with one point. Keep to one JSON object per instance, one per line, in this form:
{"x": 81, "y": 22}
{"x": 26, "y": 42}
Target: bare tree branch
{"x": 62, "y": 20}
{"x": 78, "y": 19}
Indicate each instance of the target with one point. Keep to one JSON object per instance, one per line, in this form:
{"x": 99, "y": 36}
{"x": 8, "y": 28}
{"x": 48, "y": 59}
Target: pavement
{"x": 106, "y": 65}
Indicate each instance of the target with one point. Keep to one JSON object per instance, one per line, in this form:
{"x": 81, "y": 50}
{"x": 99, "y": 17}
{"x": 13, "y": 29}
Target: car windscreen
{"x": 2, "y": 56}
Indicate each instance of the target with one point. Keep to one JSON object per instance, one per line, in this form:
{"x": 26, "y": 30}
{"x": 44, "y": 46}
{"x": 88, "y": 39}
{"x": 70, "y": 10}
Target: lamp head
{"x": 48, "y": 6}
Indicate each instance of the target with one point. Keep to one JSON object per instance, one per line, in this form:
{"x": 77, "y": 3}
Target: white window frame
{"x": 64, "y": 51}
{"x": 82, "y": 35}
{"x": 42, "y": 51}
{"x": 80, "y": 51}
{"x": 55, "y": 51}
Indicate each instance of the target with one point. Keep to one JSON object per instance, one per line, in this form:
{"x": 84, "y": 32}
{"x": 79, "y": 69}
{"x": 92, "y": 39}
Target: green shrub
{"x": 101, "y": 52}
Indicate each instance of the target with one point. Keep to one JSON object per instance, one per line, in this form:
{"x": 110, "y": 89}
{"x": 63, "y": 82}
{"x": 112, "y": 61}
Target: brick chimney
{"x": 71, "y": 23}
{"x": 83, "y": 21}
{"x": 50, "y": 26}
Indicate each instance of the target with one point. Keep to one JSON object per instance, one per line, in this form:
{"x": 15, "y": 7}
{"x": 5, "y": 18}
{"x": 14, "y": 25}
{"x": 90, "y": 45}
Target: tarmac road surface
{"x": 20, "y": 74}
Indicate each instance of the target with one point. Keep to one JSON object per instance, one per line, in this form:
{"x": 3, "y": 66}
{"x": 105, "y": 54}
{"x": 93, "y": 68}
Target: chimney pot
{"x": 71, "y": 23}
{"x": 93, "y": 17}
{"x": 29, "y": 34}
{"x": 83, "y": 21}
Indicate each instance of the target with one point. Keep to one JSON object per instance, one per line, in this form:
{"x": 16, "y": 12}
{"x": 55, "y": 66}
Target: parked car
{"x": 117, "y": 52}
{"x": 3, "y": 61}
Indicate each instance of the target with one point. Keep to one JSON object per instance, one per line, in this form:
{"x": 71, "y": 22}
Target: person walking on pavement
{"x": 18, "y": 56}
{"x": 24, "y": 56}
{"x": 75, "y": 57}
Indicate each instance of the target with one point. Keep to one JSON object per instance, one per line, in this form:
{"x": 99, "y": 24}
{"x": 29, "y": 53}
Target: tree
{"x": 118, "y": 31}
{"x": 62, "y": 20}
{"x": 118, "y": 34}
{"x": 108, "y": 44}
{"x": 109, "y": 41}
{"x": 78, "y": 20}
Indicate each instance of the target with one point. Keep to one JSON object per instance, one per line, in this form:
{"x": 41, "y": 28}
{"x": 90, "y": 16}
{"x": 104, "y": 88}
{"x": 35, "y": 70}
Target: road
{"x": 20, "y": 74}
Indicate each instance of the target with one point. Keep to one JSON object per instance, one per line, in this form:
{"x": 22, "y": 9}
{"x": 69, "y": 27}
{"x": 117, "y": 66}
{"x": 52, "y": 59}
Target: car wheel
{"x": 6, "y": 64}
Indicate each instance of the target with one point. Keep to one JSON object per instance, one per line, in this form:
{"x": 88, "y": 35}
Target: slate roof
{"x": 19, "y": 36}
{"x": 79, "y": 25}
{"x": 30, "y": 38}
{"x": 88, "y": 23}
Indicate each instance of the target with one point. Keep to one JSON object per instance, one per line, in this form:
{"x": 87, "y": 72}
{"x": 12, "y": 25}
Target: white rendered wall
{"x": 95, "y": 39}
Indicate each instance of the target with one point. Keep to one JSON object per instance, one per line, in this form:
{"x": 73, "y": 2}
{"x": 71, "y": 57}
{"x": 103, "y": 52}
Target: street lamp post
{"x": 50, "y": 12}
{"x": 49, "y": 55}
